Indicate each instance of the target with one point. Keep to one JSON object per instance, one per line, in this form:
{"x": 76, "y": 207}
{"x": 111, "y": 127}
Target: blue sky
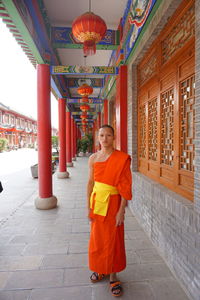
{"x": 18, "y": 78}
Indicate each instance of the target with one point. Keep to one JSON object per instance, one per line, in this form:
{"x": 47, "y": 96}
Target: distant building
{"x": 18, "y": 129}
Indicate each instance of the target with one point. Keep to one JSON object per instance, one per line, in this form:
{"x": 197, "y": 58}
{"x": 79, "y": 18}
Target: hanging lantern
{"x": 85, "y": 90}
{"x": 89, "y": 29}
{"x": 83, "y": 116}
{"x": 85, "y": 107}
{"x": 84, "y": 122}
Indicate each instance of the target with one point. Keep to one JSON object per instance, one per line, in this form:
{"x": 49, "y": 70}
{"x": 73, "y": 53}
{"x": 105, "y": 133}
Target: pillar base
{"x": 46, "y": 203}
{"x": 74, "y": 158}
{"x": 62, "y": 175}
{"x": 70, "y": 164}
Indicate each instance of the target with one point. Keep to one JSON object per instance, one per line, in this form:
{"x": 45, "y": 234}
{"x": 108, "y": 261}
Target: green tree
{"x": 54, "y": 142}
{"x": 90, "y": 141}
{"x": 85, "y": 144}
{"x": 3, "y": 144}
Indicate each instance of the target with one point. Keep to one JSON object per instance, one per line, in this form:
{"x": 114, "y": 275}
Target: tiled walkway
{"x": 43, "y": 254}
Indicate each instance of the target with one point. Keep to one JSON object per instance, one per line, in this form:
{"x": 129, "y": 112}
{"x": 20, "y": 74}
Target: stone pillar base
{"x": 62, "y": 175}
{"x": 70, "y": 164}
{"x": 46, "y": 203}
{"x": 74, "y": 158}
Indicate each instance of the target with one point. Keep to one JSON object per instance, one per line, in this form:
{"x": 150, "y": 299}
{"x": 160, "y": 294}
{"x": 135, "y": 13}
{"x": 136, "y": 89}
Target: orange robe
{"x": 106, "y": 245}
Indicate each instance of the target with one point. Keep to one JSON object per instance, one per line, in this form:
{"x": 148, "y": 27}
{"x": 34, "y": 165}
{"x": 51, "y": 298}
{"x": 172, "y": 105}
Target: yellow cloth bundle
{"x": 102, "y": 194}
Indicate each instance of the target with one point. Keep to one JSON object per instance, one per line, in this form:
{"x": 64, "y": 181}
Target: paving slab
{"x": 35, "y": 279}
{"x": 71, "y": 293}
{"x": 15, "y": 295}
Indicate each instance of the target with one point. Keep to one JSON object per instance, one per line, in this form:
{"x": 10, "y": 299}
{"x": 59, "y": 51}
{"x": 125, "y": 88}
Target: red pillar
{"x": 68, "y": 140}
{"x": 121, "y": 110}
{"x": 94, "y": 132}
{"x": 72, "y": 139}
{"x": 62, "y": 139}
{"x": 45, "y": 200}
{"x": 105, "y": 105}
{"x": 99, "y": 120}
{"x": 75, "y": 138}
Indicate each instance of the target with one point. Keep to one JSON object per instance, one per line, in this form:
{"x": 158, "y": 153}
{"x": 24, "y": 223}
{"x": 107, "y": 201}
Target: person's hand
{"x": 120, "y": 217}
{"x": 88, "y": 215}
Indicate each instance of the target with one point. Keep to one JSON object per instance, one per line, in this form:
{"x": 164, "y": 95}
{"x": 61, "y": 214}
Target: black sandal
{"x": 114, "y": 286}
{"x": 98, "y": 277}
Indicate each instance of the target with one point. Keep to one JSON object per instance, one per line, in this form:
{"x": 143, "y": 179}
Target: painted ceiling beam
{"x": 91, "y": 101}
{"x": 89, "y": 121}
{"x": 62, "y": 37}
{"x": 84, "y": 70}
{"x": 76, "y": 82}
{"x": 89, "y": 113}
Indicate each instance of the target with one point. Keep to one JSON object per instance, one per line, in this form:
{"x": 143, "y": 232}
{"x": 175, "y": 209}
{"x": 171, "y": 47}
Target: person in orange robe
{"x": 108, "y": 189}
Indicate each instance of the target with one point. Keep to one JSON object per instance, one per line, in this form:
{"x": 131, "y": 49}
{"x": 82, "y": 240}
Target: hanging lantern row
{"x": 89, "y": 29}
{"x": 85, "y": 90}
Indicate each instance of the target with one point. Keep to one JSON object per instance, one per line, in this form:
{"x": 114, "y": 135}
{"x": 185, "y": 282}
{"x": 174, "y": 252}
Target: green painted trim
{"x": 117, "y": 37}
{"x": 6, "y": 19}
{"x": 80, "y": 46}
{"x": 113, "y": 86}
{"x": 150, "y": 17}
{"x": 16, "y": 18}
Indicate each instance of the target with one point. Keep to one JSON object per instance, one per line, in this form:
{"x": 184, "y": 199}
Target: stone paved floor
{"x": 43, "y": 254}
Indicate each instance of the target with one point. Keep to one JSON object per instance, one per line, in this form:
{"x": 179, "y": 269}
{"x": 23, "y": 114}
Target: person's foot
{"x": 116, "y": 288}
{"x": 95, "y": 277}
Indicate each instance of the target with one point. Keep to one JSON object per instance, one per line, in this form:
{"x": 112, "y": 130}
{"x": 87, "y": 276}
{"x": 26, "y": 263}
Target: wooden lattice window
{"x": 187, "y": 101}
{"x": 179, "y": 35}
{"x": 166, "y": 102}
{"x": 152, "y": 129}
{"x": 167, "y": 127}
{"x": 143, "y": 131}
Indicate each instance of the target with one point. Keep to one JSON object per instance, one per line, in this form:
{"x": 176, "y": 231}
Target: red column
{"x": 62, "y": 139}
{"x": 105, "y": 105}
{"x": 68, "y": 139}
{"x": 72, "y": 139}
{"x": 75, "y": 138}
{"x": 94, "y": 132}
{"x": 121, "y": 110}
{"x": 99, "y": 120}
{"x": 45, "y": 200}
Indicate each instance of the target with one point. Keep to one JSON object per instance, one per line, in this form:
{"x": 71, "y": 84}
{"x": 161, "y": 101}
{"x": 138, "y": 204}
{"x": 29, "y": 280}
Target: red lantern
{"x": 85, "y": 90}
{"x": 85, "y": 107}
{"x": 89, "y": 29}
{"x": 83, "y": 117}
{"x": 84, "y": 122}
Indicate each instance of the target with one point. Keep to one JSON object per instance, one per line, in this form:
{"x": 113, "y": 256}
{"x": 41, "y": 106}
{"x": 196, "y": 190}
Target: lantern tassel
{"x": 89, "y": 47}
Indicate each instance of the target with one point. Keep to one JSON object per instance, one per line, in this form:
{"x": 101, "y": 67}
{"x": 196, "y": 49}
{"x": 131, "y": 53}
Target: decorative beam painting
{"x": 84, "y": 70}
{"x": 61, "y": 37}
{"x": 76, "y": 82}
{"x": 78, "y": 113}
{"x": 90, "y": 100}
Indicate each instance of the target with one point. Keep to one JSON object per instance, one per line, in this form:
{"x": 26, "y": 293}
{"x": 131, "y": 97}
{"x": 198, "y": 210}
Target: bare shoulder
{"x": 92, "y": 159}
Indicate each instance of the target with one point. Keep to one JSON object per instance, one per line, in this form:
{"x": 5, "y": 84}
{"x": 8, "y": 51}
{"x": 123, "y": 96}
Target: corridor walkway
{"x": 43, "y": 254}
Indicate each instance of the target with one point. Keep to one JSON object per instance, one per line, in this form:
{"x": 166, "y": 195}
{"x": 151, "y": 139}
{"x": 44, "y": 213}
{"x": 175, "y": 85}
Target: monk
{"x": 108, "y": 189}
